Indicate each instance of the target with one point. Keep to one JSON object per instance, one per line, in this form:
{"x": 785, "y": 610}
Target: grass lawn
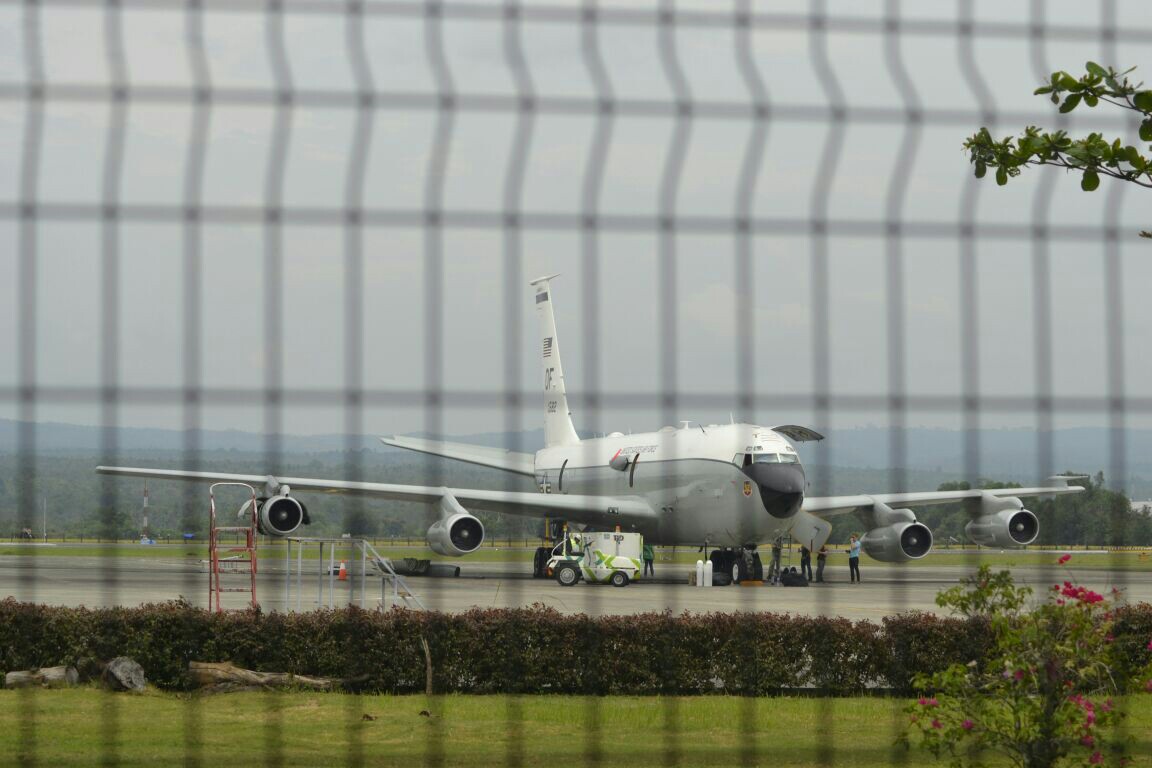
{"x": 89, "y": 727}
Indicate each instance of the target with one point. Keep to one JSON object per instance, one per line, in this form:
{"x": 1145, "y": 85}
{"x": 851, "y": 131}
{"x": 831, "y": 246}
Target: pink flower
{"x": 1019, "y": 675}
{"x": 1088, "y": 741}
{"x": 1064, "y": 558}
{"x": 1082, "y": 594}
{"x": 1096, "y": 758}
{"x": 1150, "y": 645}
{"x": 936, "y": 724}
{"x": 1090, "y": 720}
{"x": 967, "y": 725}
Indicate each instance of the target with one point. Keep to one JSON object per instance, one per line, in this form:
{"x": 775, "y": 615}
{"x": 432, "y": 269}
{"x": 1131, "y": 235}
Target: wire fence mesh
{"x": 311, "y": 216}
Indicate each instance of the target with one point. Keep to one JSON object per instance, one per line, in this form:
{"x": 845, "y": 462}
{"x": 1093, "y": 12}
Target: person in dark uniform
{"x": 821, "y": 558}
{"x": 806, "y": 562}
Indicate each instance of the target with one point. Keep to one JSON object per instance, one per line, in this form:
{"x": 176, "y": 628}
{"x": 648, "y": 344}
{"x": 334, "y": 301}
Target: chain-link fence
{"x": 303, "y": 217}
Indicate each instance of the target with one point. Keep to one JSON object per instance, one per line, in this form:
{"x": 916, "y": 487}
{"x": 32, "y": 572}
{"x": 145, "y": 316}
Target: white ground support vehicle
{"x": 604, "y": 558}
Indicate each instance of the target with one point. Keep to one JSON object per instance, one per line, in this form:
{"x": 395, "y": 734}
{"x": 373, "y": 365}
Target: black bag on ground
{"x": 791, "y": 579}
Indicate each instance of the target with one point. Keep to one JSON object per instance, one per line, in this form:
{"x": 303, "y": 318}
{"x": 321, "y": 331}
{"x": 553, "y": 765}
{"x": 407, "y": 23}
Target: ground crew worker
{"x": 649, "y": 559}
{"x": 821, "y": 556}
{"x": 806, "y": 562}
{"x": 774, "y": 567}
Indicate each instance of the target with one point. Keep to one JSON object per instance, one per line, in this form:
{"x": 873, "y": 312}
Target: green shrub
{"x": 528, "y": 650}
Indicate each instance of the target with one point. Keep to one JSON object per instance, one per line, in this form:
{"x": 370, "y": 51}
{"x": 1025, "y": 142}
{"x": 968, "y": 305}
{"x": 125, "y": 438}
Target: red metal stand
{"x": 242, "y": 562}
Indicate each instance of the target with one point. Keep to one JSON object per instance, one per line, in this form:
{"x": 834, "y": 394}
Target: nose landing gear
{"x": 732, "y": 565}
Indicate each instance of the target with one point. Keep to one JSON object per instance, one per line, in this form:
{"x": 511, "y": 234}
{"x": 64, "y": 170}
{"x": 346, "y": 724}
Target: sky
{"x": 487, "y": 315}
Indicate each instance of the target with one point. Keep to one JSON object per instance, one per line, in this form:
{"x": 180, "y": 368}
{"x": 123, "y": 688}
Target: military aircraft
{"x": 725, "y": 487}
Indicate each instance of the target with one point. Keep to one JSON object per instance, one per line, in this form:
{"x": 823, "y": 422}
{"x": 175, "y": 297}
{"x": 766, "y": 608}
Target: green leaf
{"x": 1070, "y": 103}
{"x": 1090, "y": 181}
{"x": 1095, "y": 69}
{"x": 981, "y": 169}
{"x": 1067, "y": 82}
{"x": 1001, "y": 176}
{"x": 1044, "y": 89}
{"x": 1146, "y": 130}
{"x": 1091, "y": 100}
{"x": 1143, "y": 101}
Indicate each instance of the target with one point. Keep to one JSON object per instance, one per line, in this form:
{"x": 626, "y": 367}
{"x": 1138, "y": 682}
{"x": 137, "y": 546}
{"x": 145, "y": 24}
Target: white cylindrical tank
{"x": 707, "y": 573}
{"x": 699, "y": 573}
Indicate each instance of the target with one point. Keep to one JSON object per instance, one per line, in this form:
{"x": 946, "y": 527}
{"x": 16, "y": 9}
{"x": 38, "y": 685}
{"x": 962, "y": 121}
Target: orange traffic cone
{"x": 343, "y": 572}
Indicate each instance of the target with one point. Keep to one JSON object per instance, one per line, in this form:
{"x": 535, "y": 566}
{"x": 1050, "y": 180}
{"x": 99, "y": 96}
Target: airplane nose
{"x": 781, "y": 487}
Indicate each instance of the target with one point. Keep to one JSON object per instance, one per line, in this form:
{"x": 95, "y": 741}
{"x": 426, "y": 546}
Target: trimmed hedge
{"x": 536, "y": 650}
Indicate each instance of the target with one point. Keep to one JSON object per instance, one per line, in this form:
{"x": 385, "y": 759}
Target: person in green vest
{"x": 649, "y": 559}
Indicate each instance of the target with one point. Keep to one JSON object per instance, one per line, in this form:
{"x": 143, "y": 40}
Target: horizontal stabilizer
{"x": 497, "y": 458}
{"x": 1063, "y": 481}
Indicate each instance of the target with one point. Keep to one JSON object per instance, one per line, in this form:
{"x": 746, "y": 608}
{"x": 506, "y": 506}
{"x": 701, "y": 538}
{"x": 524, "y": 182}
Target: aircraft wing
{"x": 497, "y": 458}
{"x": 827, "y": 506}
{"x": 577, "y": 508}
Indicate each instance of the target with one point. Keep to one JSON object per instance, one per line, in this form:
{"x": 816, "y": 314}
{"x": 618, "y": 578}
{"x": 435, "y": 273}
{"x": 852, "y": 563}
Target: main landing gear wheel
{"x": 739, "y": 570}
{"x": 619, "y": 579}
{"x": 721, "y": 567}
{"x": 567, "y": 575}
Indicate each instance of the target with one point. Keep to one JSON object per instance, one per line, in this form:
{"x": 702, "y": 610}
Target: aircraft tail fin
{"x": 558, "y": 428}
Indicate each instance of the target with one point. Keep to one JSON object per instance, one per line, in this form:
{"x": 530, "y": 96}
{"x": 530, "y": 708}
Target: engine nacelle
{"x": 1007, "y": 529}
{"x": 456, "y": 536}
{"x": 898, "y": 543}
{"x": 277, "y": 516}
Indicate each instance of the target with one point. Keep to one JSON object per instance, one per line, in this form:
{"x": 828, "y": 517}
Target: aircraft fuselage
{"x": 725, "y": 485}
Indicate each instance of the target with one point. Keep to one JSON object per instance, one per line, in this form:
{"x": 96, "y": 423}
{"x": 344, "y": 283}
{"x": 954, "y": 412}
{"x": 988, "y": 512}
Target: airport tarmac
{"x": 886, "y": 589}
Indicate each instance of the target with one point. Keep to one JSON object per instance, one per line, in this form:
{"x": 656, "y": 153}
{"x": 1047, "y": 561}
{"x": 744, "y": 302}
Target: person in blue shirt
{"x": 853, "y": 558}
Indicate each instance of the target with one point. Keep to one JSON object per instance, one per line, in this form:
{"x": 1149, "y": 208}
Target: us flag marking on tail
{"x": 547, "y": 346}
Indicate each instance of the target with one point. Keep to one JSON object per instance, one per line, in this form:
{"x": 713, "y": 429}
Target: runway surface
{"x": 886, "y": 590}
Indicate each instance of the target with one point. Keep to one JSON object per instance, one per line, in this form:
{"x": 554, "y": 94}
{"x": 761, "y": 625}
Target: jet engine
{"x": 898, "y": 542}
{"x": 896, "y": 536}
{"x": 456, "y": 536}
{"x": 278, "y": 515}
{"x": 1009, "y": 529}
{"x": 457, "y": 532}
{"x": 1003, "y": 523}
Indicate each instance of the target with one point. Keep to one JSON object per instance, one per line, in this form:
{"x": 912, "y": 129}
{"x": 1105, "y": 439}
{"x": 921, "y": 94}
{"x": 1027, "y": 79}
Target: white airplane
{"x": 728, "y": 487}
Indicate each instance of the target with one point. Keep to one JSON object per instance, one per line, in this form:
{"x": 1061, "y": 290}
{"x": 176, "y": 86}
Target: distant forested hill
{"x": 78, "y": 500}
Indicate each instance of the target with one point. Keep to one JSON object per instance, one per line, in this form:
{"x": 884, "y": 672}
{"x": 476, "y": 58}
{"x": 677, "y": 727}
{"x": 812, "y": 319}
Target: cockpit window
{"x": 777, "y": 458}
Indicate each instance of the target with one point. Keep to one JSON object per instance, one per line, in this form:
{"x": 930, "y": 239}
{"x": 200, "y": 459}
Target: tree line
{"x": 79, "y": 502}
